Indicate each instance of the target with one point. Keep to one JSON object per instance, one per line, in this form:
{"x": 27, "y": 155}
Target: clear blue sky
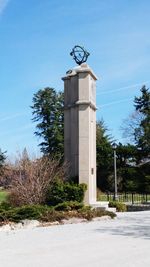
{"x": 36, "y": 37}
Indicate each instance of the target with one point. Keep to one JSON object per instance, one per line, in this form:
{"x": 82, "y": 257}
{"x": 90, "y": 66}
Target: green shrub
{"x": 49, "y": 214}
{"x": 22, "y": 213}
{"x": 85, "y": 213}
{"x": 60, "y": 192}
{"x": 99, "y": 213}
{"x": 85, "y": 209}
{"x": 4, "y": 206}
{"x": 118, "y": 205}
{"x": 68, "y": 206}
{"x": 88, "y": 213}
{"x": 53, "y": 216}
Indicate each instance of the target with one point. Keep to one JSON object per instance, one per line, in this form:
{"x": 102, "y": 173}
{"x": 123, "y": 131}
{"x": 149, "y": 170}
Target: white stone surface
{"x": 74, "y": 220}
{"x": 80, "y": 127}
{"x": 21, "y": 225}
{"x": 30, "y": 223}
{"x": 123, "y": 242}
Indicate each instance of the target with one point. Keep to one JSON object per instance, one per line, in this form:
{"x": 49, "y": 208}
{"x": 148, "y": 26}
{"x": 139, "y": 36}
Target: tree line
{"x": 133, "y": 158}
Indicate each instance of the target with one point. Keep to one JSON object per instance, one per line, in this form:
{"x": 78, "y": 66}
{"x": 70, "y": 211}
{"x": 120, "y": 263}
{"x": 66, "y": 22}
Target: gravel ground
{"x": 124, "y": 241}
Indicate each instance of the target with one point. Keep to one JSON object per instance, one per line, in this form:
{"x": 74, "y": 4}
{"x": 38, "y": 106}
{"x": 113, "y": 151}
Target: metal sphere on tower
{"x": 79, "y": 54}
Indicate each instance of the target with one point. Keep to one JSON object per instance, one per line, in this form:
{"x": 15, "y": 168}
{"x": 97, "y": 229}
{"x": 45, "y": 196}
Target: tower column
{"x": 80, "y": 127}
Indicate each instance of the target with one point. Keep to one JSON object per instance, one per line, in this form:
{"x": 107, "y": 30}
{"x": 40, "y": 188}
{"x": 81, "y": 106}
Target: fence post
{"x": 132, "y": 198}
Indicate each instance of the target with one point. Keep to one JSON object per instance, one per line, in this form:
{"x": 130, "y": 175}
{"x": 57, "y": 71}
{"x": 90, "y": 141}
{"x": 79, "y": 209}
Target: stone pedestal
{"x": 80, "y": 127}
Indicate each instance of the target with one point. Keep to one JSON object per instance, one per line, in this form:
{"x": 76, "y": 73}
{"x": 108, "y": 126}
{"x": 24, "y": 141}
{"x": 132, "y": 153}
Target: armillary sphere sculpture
{"x": 79, "y": 54}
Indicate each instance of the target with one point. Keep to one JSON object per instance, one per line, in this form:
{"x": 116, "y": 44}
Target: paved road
{"x": 123, "y": 242}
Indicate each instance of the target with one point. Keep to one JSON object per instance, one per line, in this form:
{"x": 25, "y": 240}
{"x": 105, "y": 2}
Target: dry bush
{"x": 31, "y": 179}
{"x": 6, "y": 176}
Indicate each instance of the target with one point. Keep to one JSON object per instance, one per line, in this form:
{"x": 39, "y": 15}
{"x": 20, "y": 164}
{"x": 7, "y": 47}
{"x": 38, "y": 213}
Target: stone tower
{"x": 80, "y": 126}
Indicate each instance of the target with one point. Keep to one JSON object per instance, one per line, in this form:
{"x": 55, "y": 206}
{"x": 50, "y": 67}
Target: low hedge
{"x": 120, "y": 207}
{"x": 68, "y": 206}
{"x": 84, "y": 213}
{"x": 49, "y": 214}
{"x": 21, "y": 213}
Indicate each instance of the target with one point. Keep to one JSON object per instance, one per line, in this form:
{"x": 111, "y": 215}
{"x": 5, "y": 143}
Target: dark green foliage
{"x": 126, "y": 154}
{"x": 121, "y": 207}
{"x": 2, "y": 161}
{"x": 144, "y": 172}
{"x": 131, "y": 179}
{"x": 89, "y": 214}
{"x": 147, "y": 184}
{"x": 104, "y": 156}
{"x": 98, "y": 213}
{"x": 60, "y": 192}
{"x": 142, "y": 132}
{"x": 85, "y": 209}
{"x": 2, "y": 157}
{"x": 21, "y": 213}
{"x": 4, "y": 206}
{"x": 132, "y": 169}
{"x": 48, "y": 112}
{"x": 68, "y": 206}
{"x": 30, "y": 212}
{"x": 84, "y": 213}
{"x": 52, "y": 215}
{"x": 126, "y": 173}
{"x": 135, "y": 179}
{"x": 48, "y": 214}
{"x": 132, "y": 176}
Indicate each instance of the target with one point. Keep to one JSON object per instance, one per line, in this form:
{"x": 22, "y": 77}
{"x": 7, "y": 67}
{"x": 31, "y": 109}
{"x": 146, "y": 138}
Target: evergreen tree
{"x": 48, "y": 112}
{"x": 126, "y": 173}
{"x": 126, "y": 155}
{"x": 142, "y": 133}
{"x": 104, "y": 156}
{"x": 2, "y": 160}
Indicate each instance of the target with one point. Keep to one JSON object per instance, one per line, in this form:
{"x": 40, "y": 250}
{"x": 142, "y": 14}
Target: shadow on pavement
{"x": 137, "y": 226}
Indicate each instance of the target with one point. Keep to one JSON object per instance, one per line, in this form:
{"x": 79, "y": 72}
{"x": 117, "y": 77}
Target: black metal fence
{"x": 132, "y": 198}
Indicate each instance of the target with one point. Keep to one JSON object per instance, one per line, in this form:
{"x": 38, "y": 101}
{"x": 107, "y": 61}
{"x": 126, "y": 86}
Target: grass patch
{"x": 3, "y": 196}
